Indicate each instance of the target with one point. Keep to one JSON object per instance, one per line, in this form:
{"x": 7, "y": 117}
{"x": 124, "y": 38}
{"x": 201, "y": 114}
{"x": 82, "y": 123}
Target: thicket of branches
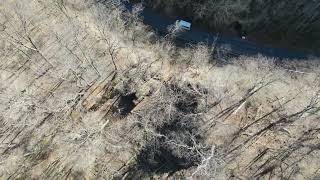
{"x": 87, "y": 92}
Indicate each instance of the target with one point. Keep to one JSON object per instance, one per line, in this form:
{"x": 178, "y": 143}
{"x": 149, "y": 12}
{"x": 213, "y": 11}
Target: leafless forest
{"x": 89, "y": 92}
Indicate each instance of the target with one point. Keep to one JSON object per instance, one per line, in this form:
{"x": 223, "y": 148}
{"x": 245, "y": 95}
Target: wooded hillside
{"x": 88, "y": 92}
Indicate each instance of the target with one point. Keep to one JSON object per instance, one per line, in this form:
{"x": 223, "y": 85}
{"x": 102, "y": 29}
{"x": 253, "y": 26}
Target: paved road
{"x": 238, "y": 46}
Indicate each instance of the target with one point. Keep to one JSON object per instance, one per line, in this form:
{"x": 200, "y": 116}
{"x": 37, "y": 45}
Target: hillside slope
{"x": 87, "y": 92}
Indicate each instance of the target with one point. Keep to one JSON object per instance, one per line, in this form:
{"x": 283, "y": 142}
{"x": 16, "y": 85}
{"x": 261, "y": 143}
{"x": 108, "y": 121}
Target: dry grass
{"x": 68, "y": 67}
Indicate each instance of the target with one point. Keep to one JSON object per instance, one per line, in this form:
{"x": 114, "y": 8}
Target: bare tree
{"x": 173, "y": 30}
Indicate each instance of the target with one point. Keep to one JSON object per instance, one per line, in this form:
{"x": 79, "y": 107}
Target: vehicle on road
{"x": 184, "y": 25}
{"x": 238, "y": 46}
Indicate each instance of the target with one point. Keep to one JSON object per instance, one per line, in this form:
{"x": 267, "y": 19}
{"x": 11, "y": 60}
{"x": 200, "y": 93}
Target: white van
{"x": 184, "y": 24}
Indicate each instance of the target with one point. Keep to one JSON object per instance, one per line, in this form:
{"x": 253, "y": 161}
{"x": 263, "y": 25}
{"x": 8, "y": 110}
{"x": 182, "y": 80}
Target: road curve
{"x": 237, "y": 46}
